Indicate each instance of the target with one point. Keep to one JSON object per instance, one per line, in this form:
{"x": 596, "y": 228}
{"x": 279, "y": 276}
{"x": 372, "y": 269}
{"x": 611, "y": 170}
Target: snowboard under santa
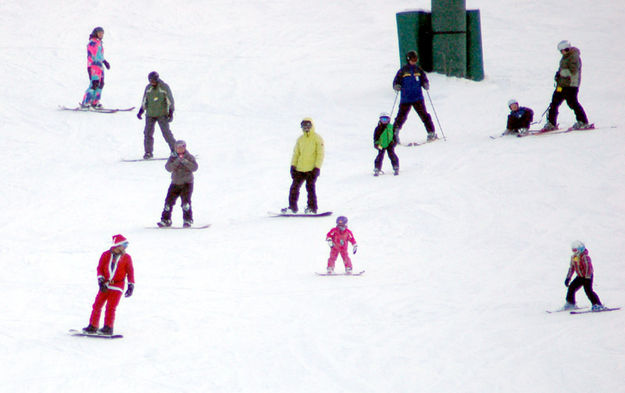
{"x": 80, "y": 333}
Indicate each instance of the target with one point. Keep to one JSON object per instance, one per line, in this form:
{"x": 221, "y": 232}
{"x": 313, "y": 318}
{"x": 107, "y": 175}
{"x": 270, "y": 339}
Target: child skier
{"x": 337, "y": 239}
{"x": 582, "y": 265}
{"x": 384, "y": 141}
{"x": 519, "y": 119}
{"x": 113, "y": 268}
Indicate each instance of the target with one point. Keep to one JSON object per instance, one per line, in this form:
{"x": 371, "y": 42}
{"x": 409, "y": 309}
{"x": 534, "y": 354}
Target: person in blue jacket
{"x": 410, "y": 79}
{"x": 519, "y": 119}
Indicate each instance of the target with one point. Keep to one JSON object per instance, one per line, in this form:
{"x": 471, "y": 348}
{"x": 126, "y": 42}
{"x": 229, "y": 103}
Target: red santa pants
{"x": 111, "y": 298}
{"x": 334, "y": 253}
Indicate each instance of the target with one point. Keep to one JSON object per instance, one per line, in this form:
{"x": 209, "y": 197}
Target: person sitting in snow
{"x": 519, "y": 119}
{"x": 384, "y": 142}
{"x": 582, "y": 265}
{"x": 337, "y": 239}
{"x": 113, "y": 268}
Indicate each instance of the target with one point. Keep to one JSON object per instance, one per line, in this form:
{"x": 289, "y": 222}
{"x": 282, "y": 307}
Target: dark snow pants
{"x": 298, "y": 179}
{"x": 390, "y": 150}
{"x": 568, "y": 94}
{"x": 148, "y": 133}
{"x": 419, "y": 107}
{"x": 576, "y": 284}
{"x": 183, "y": 191}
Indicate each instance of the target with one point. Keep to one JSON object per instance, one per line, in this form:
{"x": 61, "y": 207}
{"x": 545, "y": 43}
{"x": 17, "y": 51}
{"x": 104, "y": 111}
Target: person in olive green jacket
{"x": 568, "y": 78}
{"x": 158, "y": 104}
{"x": 306, "y": 164}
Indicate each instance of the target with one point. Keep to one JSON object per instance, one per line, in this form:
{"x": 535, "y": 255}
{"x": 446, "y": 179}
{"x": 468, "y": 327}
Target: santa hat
{"x": 119, "y": 240}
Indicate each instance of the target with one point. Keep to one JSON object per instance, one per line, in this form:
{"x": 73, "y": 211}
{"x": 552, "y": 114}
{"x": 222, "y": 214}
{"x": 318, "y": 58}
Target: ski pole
{"x": 436, "y": 115}
{"x": 394, "y": 102}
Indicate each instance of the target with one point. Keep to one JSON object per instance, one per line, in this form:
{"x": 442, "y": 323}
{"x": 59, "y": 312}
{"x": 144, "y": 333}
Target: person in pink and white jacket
{"x": 95, "y": 68}
{"x": 338, "y": 239}
{"x": 113, "y": 269}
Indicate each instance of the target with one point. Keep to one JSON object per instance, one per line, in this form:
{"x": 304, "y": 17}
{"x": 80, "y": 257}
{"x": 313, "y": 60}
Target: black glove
{"x": 170, "y": 116}
{"x": 557, "y": 76}
{"x": 102, "y": 284}
{"x": 316, "y": 172}
{"x": 131, "y": 287}
{"x": 426, "y": 85}
{"x": 140, "y": 113}
{"x": 293, "y": 172}
{"x": 567, "y": 282}
{"x": 95, "y": 84}
{"x": 106, "y": 64}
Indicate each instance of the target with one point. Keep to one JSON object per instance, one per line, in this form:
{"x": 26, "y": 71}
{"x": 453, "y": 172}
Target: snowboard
{"x": 324, "y": 214}
{"x": 172, "y": 227}
{"x": 144, "y": 159}
{"x": 340, "y": 274}
{"x": 101, "y": 110}
{"x": 595, "y": 311}
{"x": 80, "y": 333}
{"x": 561, "y": 309}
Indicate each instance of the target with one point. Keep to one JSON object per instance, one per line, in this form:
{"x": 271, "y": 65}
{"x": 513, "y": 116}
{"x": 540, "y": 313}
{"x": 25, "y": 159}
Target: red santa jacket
{"x": 340, "y": 238}
{"x": 114, "y": 269}
{"x": 582, "y": 265}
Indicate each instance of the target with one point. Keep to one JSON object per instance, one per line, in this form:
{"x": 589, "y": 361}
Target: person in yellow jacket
{"x": 305, "y": 166}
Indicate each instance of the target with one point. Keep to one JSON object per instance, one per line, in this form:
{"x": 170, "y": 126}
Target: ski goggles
{"x": 385, "y": 119}
{"x": 306, "y": 124}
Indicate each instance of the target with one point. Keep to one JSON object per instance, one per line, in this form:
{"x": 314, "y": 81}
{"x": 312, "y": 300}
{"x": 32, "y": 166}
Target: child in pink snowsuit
{"x": 337, "y": 239}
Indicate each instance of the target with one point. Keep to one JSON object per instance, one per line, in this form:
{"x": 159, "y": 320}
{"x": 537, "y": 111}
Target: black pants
{"x": 419, "y": 107}
{"x": 183, "y": 191}
{"x": 576, "y": 284}
{"x": 390, "y": 150}
{"x": 148, "y": 133}
{"x": 568, "y": 94}
{"x": 298, "y": 179}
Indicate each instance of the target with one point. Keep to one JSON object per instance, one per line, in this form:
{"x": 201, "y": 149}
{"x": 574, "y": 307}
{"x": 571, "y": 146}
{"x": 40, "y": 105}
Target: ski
{"x": 565, "y": 130}
{"x": 172, "y": 227}
{"x": 413, "y": 144}
{"x": 340, "y": 274}
{"x": 100, "y": 110}
{"x": 324, "y": 214}
{"x": 595, "y": 311}
{"x": 80, "y": 333}
{"x": 561, "y": 309}
{"x": 144, "y": 159}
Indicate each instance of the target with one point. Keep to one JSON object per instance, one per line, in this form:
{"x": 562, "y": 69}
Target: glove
{"x": 316, "y": 172}
{"x": 557, "y": 76}
{"x": 330, "y": 242}
{"x": 106, "y": 64}
{"x": 378, "y": 147}
{"x": 567, "y": 282}
{"x": 293, "y": 172}
{"x": 102, "y": 284}
{"x": 170, "y": 116}
{"x": 355, "y": 248}
{"x": 95, "y": 84}
{"x": 140, "y": 113}
{"x": 131, "y": 287}
{"x": 426, "y": 85}
{"x": 397, "y": 87}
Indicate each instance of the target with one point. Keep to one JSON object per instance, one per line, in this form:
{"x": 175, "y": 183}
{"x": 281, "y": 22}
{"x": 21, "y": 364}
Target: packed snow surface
{"x": 464, "y": 251}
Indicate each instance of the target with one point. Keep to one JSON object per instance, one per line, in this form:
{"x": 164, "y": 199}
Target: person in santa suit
{"x": 113, "y": 269}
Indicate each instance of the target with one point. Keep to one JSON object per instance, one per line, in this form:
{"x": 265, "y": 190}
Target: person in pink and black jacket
{"x": 581, "y": 264}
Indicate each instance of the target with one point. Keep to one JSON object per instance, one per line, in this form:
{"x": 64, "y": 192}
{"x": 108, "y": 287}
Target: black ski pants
{"x": 298, "y": 179}
{"x": 419, "y": 107}
{"x": 184, "y": 191}
{"x": 148, "y": 133}
{"x": 390, "y": 150}
{"x": 568, "y": 94}
{"x": 576, "y": 284}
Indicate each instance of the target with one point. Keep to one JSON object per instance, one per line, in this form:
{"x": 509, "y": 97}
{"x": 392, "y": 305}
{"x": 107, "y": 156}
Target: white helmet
{"x": 578, "y": 247}
{"x": 564, "y": 44}
{"x": 512, "y": 101}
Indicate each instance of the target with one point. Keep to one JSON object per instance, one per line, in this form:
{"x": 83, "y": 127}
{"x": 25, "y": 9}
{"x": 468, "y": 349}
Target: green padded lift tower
{"x": 448, "y": 40}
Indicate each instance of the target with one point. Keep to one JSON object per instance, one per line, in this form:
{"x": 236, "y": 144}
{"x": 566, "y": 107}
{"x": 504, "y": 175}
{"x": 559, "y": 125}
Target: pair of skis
{"x": 97, "y": 110}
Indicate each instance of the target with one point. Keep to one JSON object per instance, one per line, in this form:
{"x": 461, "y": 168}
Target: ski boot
{"x": 598, "y": 307}
{"x": 288, "y": 210}
{"x": 310, "y": 210}
{"x": 106, "y": 331}
{"x": 376, "y": 172}
{"x": 330, "y": 270}
{"x": 90, "y": 329}
{"x": 164, "y": 223}
{"x": 569, "y": 306}
{"x": 432, "y": 136}
{"x": 187, "y": 223}
{"x": 548, "y": 127}
{"x": 348, "y": 270}
{"x": 522, "y": 132}
{"x": 395, "y": 170}
{"x": 580, "y": 125}
{"x": 147, "y": 156}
